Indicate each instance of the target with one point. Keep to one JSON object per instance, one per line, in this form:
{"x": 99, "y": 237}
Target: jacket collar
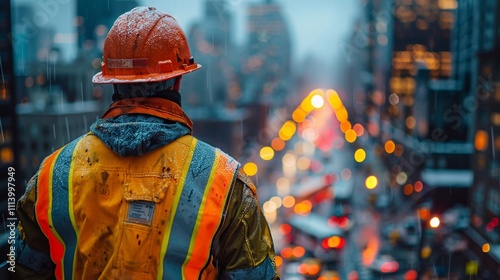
{"x": 154, "y": 106}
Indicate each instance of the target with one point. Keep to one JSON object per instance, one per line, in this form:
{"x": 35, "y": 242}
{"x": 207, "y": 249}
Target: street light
{"x": 434, "y": 222}
{"x": 317, "y": 101}
{"x": 371, "y": 182}
{"x": 425, "y": 249}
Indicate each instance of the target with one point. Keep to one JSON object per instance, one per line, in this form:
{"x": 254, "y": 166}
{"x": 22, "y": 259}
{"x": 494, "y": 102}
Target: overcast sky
{"x": 316, "y": 26}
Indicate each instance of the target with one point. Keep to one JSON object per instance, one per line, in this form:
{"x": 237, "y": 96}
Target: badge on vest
{"x": 141, "y": 212}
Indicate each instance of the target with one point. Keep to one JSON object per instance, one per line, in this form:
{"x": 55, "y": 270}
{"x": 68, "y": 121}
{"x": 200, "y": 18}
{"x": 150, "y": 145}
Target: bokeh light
{"x": 266, "y": 153}
{"x": 360, "y": 155}
{"x": 371, "y": 182}
{"x": 288, "y": 201}
{"x": 317, "y": 101}
{"x": 250, "y": 168}
{"x": 350, "y": 136}
{"x": 359, "y": 129}
{"x": 390, "y": 146}
{"x": 277, "y": 144}
{"x": 434, "y": 222}
{"x": 486, "y": 247}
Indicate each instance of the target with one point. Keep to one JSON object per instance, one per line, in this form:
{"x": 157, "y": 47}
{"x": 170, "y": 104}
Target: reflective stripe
{"x": 43, "y": 209}
{"x": 210, "y": 215}
{"x": 62, "y": 206}
{"x": 166, "y": 266}
{"x": 195, "y": 204}
{"x": 127, "y": 63}
{"x": 197, "y": 213}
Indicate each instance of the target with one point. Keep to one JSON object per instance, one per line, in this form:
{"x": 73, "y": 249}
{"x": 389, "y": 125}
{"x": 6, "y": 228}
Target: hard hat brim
{"x": 99, "y": 78}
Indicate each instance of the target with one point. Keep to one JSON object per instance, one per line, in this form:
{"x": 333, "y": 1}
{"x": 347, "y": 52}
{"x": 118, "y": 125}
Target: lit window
{"x": 481, "y": 140}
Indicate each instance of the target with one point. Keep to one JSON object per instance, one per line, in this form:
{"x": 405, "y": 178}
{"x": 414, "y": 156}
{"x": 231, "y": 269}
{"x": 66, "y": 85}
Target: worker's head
{"x": 146, "y": 51}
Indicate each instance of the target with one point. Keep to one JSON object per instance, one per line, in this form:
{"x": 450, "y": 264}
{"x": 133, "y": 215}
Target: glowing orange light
{"x": 390, "y": 147}
{"x": 424, "y": 213}
{"x": 299, "y": 115}
{"x": 313, "y": 269}
{"x": 359, "y": 129}
{"x": 411, "y": 275}
{"x": 345, "y": 126}
{"x": 481, "y": 140}
{"x": 298, "y": 251}
{"x": 408, "y": 189}
{"x": 278, "y": 260}
{"x": 288, "y": 201}
{"x": 303, "y": 208}
{"x": 486, "y": 247}
{"x": 334, "y": 242}
{"x": 287, "y": 130}
{"x": 287, "y": 252}
{"x": 350, "y": 136}
{"x": 277, "y": 144}
{"x": 334, "y": 99}
{"x": 302, "y": 268}
{"x": 342, "y": 114}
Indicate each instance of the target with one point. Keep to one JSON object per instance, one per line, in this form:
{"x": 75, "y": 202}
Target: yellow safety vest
{"x": 153, "y": 216}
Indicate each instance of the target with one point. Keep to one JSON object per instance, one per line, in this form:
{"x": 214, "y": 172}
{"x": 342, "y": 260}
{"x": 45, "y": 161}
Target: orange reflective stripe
{"x": 43, "y": 209}
{"x": 215, "y": 197}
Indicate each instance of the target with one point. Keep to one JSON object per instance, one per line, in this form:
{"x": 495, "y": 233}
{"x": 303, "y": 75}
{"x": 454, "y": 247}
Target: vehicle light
{"x": 334, "y": 242}
{"x": 302, "y": 268}
{"x": 313, "y": 269}
{"x": 388, "y": 267}
{"x": 298, "y": 251}
{"x": 285, "y": 229}
{"x": 278, "y": 260}
{"x": 343, "y": 221}
{"x": 333, "y": 221}
{"x": 286, "y": 252}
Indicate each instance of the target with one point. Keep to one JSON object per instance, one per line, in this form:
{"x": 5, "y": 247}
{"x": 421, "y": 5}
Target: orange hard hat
{"x": 145, "y": 45}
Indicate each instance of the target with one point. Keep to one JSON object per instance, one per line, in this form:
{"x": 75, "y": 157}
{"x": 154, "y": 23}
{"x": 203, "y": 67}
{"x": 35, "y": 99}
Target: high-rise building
{"x": 422, "y": 31}
{"x": 93, "y": 20}
{"x": 9, "y": 171}
{"x": 210, "y": 40}
{"x": 210, "y": 95}
{"x": 266, "y": 63}
{"x": 266, "y": 67}
{"x": 480, "y": 48}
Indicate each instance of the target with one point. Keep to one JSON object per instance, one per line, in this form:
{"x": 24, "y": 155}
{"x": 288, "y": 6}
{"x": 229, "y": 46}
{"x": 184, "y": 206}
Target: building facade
{"x": 9, "y": 165}
{"x": 484, "y": 233}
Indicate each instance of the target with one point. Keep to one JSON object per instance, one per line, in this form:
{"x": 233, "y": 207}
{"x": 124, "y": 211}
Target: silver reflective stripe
{"x": 127, "y": 62}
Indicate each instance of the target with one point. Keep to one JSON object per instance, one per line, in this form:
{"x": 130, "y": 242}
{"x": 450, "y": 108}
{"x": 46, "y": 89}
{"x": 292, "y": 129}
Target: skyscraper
{"x": 8, "y": 123}
{"x": 93, "y": 20}
{"x": 478, "y": 43}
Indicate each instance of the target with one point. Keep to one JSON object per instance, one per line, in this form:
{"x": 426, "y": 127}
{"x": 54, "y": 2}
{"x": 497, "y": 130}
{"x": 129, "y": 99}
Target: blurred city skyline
{"x": 317, "y": 30}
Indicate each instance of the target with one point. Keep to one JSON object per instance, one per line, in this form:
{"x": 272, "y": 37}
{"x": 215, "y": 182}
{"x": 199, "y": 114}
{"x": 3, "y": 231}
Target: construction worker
{"x": 138, "y": 197}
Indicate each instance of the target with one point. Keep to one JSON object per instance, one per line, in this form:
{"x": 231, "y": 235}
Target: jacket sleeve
{"x": 245, "y": 249}
{"x": 32, "y": 247}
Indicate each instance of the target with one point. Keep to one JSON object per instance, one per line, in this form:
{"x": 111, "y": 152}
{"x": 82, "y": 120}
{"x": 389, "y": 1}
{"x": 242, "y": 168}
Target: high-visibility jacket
{"x": 174, "y": 212}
